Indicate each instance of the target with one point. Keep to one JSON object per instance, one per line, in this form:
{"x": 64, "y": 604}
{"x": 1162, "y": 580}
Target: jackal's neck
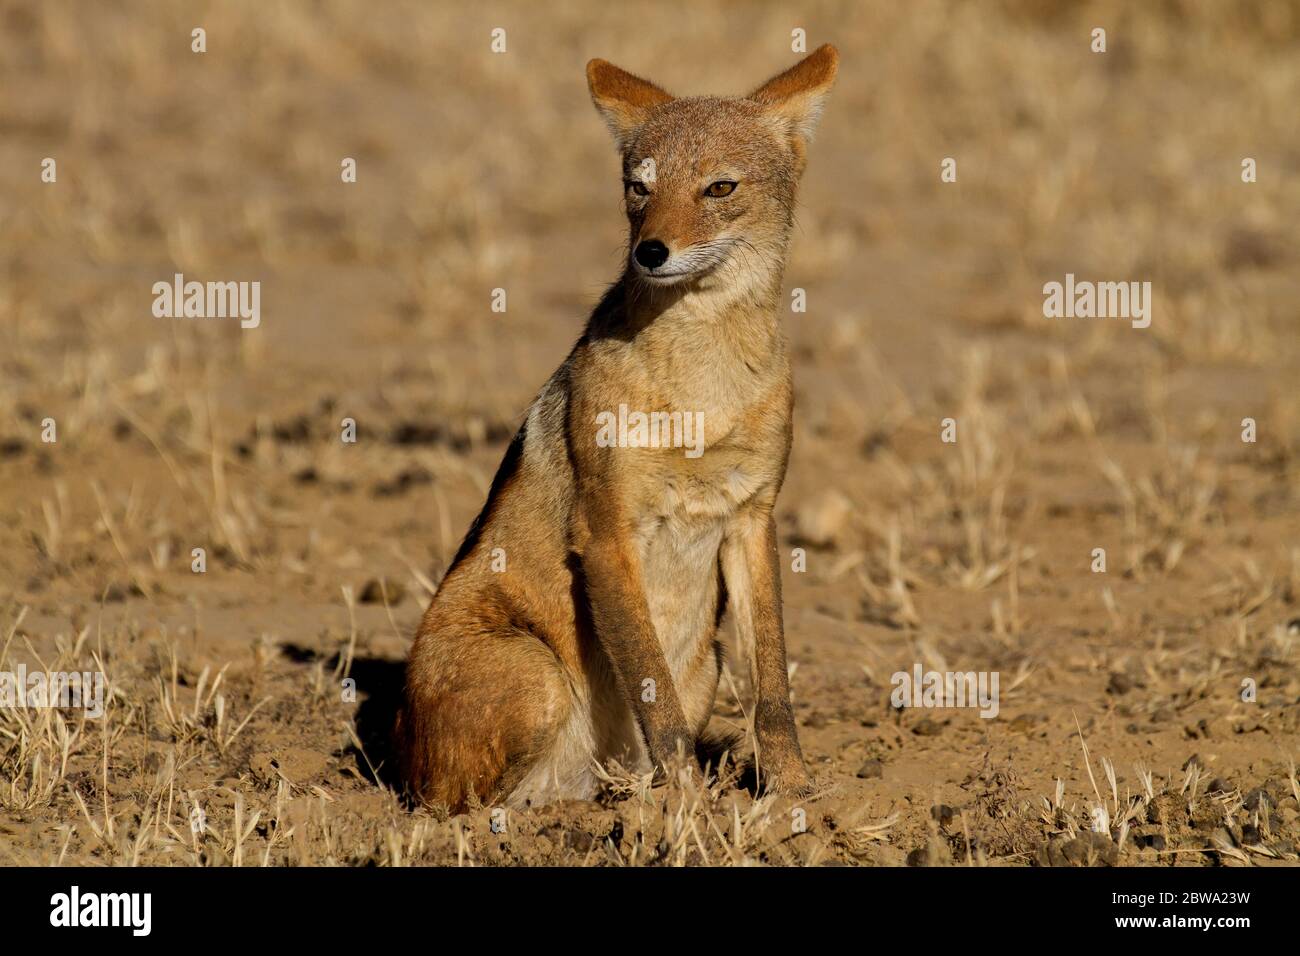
{"x": 718, "y": 324}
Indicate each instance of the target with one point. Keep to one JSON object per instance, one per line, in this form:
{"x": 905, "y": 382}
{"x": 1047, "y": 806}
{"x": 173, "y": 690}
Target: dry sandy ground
{"x": 1120, "y": 690}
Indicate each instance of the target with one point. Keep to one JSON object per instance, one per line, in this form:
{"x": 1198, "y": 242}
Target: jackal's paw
{"x": 791, "y": 781}
{"x": 672, "y": 758}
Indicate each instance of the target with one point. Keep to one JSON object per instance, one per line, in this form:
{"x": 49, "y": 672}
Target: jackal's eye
{"x": 723, "y": 187}
{"x": 637, "y": 187}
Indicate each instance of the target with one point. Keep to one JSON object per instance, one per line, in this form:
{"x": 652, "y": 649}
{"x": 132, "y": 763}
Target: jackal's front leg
{"x": 751, "y": 566}
{"x": 621, "y": 614}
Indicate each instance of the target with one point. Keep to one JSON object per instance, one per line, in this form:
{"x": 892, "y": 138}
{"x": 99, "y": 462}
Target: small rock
{"x": 871, "y": 770}
{"x": 1119, "y": 684}
{"x": 1255, "y": 798}
{"x": 927, "y": 727}
{"x": 943, "y": 814}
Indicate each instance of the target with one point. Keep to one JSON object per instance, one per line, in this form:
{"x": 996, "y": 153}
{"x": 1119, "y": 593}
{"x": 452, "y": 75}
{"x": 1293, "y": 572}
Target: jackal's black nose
{"x": 651, "y": 253}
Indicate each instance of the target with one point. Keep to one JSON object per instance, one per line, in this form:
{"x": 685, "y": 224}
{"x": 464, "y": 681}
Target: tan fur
{"x": 619, "y": 559}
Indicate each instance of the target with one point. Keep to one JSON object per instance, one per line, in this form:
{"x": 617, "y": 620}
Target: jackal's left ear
{"x": 798, "y": 94}
{"x": 624, "y": 100}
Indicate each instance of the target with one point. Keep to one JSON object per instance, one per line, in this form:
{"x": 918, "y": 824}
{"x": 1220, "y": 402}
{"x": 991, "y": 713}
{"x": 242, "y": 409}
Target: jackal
{"x": 578, "y": 620}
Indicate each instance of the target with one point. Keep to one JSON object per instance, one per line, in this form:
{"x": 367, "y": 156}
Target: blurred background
{"x": 479, "y": 170}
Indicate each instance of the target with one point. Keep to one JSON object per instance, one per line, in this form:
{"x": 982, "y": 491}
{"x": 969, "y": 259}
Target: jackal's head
{"x": 710, "y": 181}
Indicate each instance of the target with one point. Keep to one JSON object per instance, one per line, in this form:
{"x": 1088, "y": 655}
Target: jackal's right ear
{"x": 622, "y": 99}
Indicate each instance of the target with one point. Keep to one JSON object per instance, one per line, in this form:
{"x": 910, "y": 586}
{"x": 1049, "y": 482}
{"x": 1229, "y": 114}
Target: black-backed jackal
{"x": 636, "y": 501}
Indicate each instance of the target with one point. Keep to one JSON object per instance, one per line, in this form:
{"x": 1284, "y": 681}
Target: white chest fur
{"x": 679, "y": 544}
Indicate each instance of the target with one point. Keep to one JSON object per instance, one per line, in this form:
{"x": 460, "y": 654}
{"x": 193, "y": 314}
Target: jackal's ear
{"x": 622, "y": 99}
{"x": 798, "y": 94}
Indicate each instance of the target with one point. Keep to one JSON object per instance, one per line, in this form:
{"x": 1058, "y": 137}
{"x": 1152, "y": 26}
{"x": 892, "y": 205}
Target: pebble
{"x": 871, "y": 770}
{"x": 927, "y": 727}
{"x": 1119, "y": 684}
{"x": 943, "y": 814}
{"x": 1253, "y": 798}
